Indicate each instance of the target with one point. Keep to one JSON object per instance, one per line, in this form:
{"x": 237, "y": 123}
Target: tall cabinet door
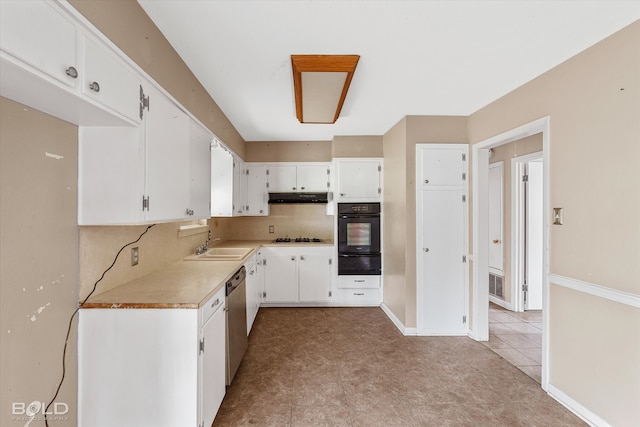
{"x": 199, "y": 172}
{"x": 442, "y": 229}
{"x": 167, "y": 150}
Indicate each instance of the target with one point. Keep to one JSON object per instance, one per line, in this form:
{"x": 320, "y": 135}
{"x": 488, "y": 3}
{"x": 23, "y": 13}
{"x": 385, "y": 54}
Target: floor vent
{"x": 496, "y": 285}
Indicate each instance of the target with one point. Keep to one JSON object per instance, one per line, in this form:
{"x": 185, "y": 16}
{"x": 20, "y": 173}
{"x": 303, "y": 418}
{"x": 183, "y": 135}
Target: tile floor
{"x": 352, "y": 367}
{"x": 517, "y": 337}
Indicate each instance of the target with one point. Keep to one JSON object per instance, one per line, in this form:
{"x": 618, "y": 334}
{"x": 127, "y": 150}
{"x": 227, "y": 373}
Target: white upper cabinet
{"x": 200, "y": 172}
{"x": 282, "y": 178}
{"x": 40, "y": 36}
{"x": 256, "y": 191}
{"x": 239, "y": 187}
{"x": 109, "y": 81}
{"x": 442, "y": 167}
{"x": 221, "y": 182}
{"x": 167, "y": 160}
{"x": 298, "y": 177}
{"x": 359, "y": 180}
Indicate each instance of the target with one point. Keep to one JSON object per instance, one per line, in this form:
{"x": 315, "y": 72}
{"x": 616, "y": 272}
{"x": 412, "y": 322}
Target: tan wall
{"x": 505, "y": 153}
{"x": 126, "y": 24}
{"x": 357, "y": 146}
{"x": 38, "y": 267}
{"x": 394, "y": 226}
{"x": 401, "y": 207}
{"x": 288, "y": 151}
{"x": 298, "y": 220}
{"x": 593, "y": 101}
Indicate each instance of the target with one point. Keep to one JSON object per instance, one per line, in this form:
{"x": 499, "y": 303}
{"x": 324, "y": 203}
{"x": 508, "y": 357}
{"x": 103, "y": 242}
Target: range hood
{"x": 282, "y": 198}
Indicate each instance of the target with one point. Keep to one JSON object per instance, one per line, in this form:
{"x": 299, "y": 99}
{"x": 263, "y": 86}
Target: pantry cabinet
{"x": 358, "y": 180}
{"x": 297, "y": 274}
{"x": 160, "y": 367}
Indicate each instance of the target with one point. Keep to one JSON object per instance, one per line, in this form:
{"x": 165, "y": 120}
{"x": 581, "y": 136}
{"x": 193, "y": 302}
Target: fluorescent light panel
{"x": 320, "y": 85}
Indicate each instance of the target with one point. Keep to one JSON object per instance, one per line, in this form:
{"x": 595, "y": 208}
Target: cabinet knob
{"x": 426, "y": 249}
{"x": 301, "y": 257}
{"x": 426, "y": 181}
{"x": 302, "y": 188}
{"x": 72, "y": 72}
{"x": 293, "y": 188}
{"x": 342, "y": 194}
{"x": 293, "y": 258}
{"x": 94, "y": 86}
{"x": 189, "y": 211}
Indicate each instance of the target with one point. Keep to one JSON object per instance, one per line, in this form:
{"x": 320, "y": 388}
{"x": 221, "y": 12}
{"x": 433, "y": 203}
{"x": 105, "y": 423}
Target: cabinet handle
{"x": 359, "y": 281}
{"x": 358, "y": 293}
{"x": 94, "y": 86}
{"x": 216, "y": 302}
{"x": 72, "y": 72}
{"x": 189, "y": 211}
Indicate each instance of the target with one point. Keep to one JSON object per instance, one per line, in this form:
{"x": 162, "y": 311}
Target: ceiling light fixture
{"x": 320, "y": 85}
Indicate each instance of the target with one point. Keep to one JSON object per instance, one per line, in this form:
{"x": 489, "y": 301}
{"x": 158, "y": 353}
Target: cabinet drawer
{"x": 359, "y": 282}
{"x": 212, "y": 305}
{"x": 358, "y": 295}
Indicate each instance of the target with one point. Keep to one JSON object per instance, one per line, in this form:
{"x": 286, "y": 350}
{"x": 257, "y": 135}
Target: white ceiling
{"x": 416, "y": 57}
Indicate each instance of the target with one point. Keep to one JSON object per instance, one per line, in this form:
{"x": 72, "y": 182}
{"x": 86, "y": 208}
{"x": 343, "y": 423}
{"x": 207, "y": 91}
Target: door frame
{"x": 518, "y": 226}
{"x": 419, "y": 232}
{"x": 480, "y": 215}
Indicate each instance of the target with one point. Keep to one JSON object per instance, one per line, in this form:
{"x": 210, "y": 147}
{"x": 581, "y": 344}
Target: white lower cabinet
{"x": 359, "y": 290}
{"x": 297, "y": 274}
{"x": 151, "y": 367}
{"x": 255, "y": 287}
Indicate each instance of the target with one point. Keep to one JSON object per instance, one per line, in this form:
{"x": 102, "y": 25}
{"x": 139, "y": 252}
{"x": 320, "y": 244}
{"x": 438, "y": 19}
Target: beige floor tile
{"x": 517, "y": 340}
{"x": 515, "y": 357}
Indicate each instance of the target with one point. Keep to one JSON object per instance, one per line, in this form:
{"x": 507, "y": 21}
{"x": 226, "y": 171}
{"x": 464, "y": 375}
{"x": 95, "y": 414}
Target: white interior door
{"x": 496, "y": 255}
{"x": 534, "y": 236}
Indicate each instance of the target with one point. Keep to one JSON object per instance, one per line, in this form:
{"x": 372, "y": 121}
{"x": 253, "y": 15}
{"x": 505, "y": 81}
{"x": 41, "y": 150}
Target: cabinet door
{"x": 213, "y": 371}
{"x": 253, "y": 300}
{"x": 281, "y": 279}
{"x": 167, "y": 159}
{"x": 200, "y": 172}
{"x": 314, "y": 273}
{"x": 313, "y": 178}
{"x": 221, "y": 182}
{"x": 359, "y": 179}
{"x": 257, "y": 191}
{"x": 35, "y": 33}
{"x": 282, "y": 179}
{"x": 109, "y": 81}
{"x": 442, "y": 167}
{"x": 239, "y": 187}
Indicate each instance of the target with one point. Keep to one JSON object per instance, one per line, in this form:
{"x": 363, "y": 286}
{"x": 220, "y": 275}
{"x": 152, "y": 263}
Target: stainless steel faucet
{"x": 205, "y": 246}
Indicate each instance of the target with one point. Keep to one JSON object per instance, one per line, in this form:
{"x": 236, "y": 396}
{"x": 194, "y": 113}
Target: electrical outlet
{"x": 134, "y": 256}
{"x": 271, "y": 229}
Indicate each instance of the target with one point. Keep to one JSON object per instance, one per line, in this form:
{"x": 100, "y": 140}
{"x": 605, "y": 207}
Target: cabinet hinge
{"x": 379, "y": 190}
{"x": 464, "y": 157}
{"x": 525, "y": 288}
{"x": 464, "y": 319}
{"x": 525, "y": 178}
{"x": 264, "y": 295}
{"x": 267, "y": 171}
{"x": 464, "y": 258}
{"x": 264, "y": 262}
{"x": 330, "y": 261}
{"x": 379, "y": 168}
{"x": 328, "y": 184}
{"x": 464, "y": 176}
{"x": 202, "y": 345}
{"x": 464, "y": 198}
{"x": 144, "y": 102}
{"x": 267, "y": 183}
{"x": 328, "y": 171}
{"x": 329, "y": 294}
{"x": 145, "y": 203}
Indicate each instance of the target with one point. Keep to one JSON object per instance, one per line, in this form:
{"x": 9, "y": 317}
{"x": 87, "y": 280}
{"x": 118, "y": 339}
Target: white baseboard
{"x": 574, "y": 406}
{"x": 502, "y": 303}
{"x": 396, "y": 321}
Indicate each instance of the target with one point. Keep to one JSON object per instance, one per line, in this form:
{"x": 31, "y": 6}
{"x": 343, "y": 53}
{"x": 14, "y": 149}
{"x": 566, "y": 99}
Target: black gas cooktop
{"x": 297, "y": 240}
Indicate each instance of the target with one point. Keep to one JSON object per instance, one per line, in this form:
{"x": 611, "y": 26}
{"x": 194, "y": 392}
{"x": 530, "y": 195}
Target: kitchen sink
{"x": 221, "y": 254}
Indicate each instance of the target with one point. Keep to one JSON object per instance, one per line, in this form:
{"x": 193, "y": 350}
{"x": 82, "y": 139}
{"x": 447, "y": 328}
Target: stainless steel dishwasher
{"x": 236, "y": 311}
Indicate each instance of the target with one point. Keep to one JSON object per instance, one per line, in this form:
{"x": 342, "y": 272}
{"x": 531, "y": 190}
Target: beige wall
{"x": 126, "y": 24}
{"x": 400, "y": 203}
{"x": 357, "y": 146}
{"x": 593, "y": 101}
{"x": 297, "y": 220}
{"x": 505, "y": 153}
{"x": 38, "y": 267}
{"x": 288, "y": 151}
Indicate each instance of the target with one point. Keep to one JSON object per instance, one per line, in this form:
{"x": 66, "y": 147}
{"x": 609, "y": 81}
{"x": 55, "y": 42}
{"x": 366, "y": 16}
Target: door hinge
{"x": 525, "y": 178}
{"x": 145, "y": 203}
{"x": 464, "y": 198}
{"x": 264, "y": 295}
{"x": 144, "y": 102}
{"x": 464, "y": 157}
{"x": 464, "y": 258}
{"x": 464, "y": 319}
{"x": 202, "y": 345}
{"x": 464, "y": 176}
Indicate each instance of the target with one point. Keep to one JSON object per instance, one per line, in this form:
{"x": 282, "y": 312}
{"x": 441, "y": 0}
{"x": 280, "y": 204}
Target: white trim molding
{"x": 405, "y": 331}
{"x": 600, "y": 291}
{"x": 574, "y": 406}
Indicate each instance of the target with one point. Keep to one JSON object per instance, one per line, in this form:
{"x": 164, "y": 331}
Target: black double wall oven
{"x": 359, "y": 239}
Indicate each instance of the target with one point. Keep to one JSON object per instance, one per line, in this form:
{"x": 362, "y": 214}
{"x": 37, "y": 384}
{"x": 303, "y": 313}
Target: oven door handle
{"x": 370, "y": 254}
{"x": 350, "y": 216}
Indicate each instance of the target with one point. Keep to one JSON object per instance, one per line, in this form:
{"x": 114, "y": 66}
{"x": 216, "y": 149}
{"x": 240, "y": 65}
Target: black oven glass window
{"x": 359, "y": 234}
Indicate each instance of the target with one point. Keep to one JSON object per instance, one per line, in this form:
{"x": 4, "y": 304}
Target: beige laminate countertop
{"x": 183, "y": 284}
